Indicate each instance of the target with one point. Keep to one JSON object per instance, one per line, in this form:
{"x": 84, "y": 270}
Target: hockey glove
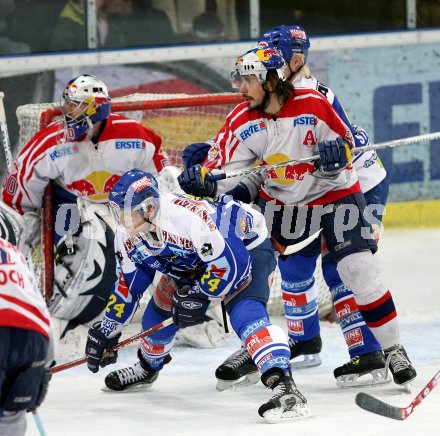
{"x": 334, "y": 155}
{"x": 44, "y": 387}
{"x": 195, "y": 154}
{"x": 195, "y": 181}
{"x": 189, "y": 307}
{"x": 97, "y": 347}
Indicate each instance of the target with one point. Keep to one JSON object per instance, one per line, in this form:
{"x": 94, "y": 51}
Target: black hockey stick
{"x": 372, "y": 404}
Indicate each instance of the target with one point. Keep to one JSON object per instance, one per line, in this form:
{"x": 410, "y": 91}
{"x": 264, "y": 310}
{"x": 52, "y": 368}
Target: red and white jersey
{"x": 306, "y": 118}
{"x": 21, "y": 303}
{"x": 368, "y": 166}
{"x": 81, "y": 167}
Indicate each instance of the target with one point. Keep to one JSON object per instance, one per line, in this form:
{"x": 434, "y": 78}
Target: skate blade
{"x": 372, "y": 378}
{"x": 407, "y": 386}
{"x": 279, "y": 415}
{"x": 134, "y": 388}
{"x": 236, "y": 385}
{"x": 308, "y": 361}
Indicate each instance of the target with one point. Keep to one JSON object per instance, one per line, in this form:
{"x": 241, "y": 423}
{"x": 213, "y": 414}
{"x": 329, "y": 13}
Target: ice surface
{"x": 184, "y": 400}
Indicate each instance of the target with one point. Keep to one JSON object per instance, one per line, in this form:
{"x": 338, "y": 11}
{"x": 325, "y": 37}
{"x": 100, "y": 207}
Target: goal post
{"x": 179, "y": 119}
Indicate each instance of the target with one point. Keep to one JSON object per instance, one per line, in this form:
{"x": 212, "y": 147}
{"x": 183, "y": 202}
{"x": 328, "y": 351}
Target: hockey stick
{"x": 5, "y": 134}
{"x": 38, "y": 422}
{"x": 372, "y": 404}
{"x": 357, "y": 150}
{"x": 122, "y": 344}
{"x": 290, "y": 249}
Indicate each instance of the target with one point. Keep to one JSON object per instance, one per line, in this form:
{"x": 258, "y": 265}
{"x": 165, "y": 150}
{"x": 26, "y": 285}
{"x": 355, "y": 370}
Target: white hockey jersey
{"x": 21, "y": 303}
{"x": 250, "y": 136}
{"x": 81, "y": 167}
{"x": 368, "y": 166}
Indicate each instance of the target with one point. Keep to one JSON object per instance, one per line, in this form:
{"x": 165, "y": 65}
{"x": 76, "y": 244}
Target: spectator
{"x": 140, "y": 22}
{"x": 70, "y": 31}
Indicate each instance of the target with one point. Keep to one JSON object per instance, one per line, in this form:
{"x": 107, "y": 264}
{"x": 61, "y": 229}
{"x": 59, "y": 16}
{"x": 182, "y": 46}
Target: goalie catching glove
{"x": 189, "y": 306}
{"x": 97, "y": 348}
{"x": 334, "y": 155}
{"x": 195, "y": 181}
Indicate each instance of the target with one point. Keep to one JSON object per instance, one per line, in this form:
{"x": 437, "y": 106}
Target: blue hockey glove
{"x": 97, "y": 346}
{"x": 195, "y": 154}
{"x": 334, "y": 155}
{"x": 194, "y": 181}
{"x": 189, "y": 307}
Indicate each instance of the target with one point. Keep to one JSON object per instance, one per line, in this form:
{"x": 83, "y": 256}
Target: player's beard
{"x": 263, "y": 105}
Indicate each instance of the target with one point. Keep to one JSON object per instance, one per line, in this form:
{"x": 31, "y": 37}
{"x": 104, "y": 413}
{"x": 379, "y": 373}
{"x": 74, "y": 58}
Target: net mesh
{"x": 180, "y": 120}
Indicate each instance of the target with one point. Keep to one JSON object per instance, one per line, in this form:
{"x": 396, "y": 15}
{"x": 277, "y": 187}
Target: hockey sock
{"x": 156, "y": 347}
{"x": 266, "y": 343}
{"x": 358, "y": 337}
{"x": 361, "y": 273}
{"x": 300, "y": 294}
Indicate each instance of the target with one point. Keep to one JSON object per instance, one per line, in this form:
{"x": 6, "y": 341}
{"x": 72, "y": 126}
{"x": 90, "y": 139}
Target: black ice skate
{"x": 239, "y": 370}
{"x": 400, "y": 366}
{"x": 308, "y": 351}
{"x": 138, "y": 376}
{"x": 287, "y": 402}
{"x": 365, "y": 370}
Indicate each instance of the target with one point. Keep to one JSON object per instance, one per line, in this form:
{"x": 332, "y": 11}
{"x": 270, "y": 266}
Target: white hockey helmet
{"x": 258, "y": 62}
{"x": 91, "y": 103}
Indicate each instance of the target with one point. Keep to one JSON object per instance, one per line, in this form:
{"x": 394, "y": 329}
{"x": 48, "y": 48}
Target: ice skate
{"x": 237, "y": 371}
{"x": 138, "y": 376}
{"x": 365, "y": 370}
{"x": 287, "y": 403}
{"x": 398, "y": 363}
{"x": 305, "y": 354}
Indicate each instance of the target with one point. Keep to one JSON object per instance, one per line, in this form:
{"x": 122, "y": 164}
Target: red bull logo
{"x": 96, "y": 186}
{"x": 289, "y": 174}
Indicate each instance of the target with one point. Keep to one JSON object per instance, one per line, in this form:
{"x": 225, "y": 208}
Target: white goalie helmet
{"x": 85, "y": 101}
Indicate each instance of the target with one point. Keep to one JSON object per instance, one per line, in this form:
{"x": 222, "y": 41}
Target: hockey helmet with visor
{"x": 258, "y": 62}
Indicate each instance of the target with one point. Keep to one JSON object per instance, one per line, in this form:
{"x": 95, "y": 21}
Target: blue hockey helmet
{"x": 135, "y": 189}
{"x": 258, "y": 62}
{"x": 287, "y": 39}
{"x": 85, "y": 102}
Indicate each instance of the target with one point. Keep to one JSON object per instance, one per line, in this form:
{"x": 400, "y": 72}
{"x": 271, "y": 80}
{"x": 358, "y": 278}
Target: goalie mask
{"x": 288, "y": 40}
{"x": 258, "y": 62}
{"x": 85, "y": 102}
{"x": 135, "y": 200}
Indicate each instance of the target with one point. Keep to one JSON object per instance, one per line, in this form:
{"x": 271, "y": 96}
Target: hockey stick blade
{"x": 290, "y": 249}
{"x": 372, "y": 404}
{"x": 122, "y": 344}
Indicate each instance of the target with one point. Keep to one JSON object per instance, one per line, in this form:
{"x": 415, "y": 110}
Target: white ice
{"x": 184, "y": 400}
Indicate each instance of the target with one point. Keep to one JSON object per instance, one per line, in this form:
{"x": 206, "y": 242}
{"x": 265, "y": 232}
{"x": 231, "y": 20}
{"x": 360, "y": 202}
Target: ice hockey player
{"x": 83, "y": 155}
{"x": 367, "y": 364}
{"x": 278, "y": 123}
{"x": 26, "y": 337}
{"x": 206, "y": 246}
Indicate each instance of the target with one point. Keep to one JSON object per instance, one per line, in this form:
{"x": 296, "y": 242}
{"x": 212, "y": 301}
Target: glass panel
{"x": 334, "y": 16}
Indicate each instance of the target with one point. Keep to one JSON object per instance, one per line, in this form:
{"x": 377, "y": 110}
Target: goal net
{"x": 180, "y": 119}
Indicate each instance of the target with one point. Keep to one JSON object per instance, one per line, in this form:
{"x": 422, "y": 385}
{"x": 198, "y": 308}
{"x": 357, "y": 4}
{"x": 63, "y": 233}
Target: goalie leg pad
{"x": 84, "y": 279}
